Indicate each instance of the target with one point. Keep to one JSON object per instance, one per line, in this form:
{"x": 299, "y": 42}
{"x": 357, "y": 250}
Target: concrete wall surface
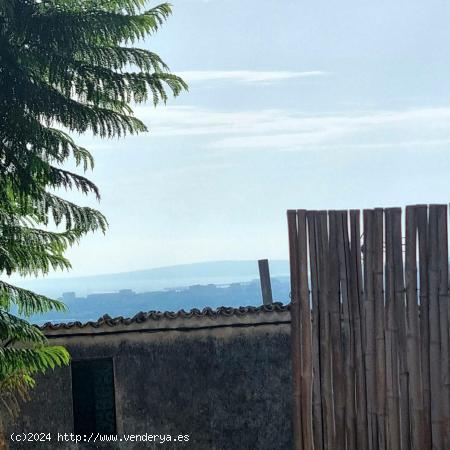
{"x": 224, "y": 382}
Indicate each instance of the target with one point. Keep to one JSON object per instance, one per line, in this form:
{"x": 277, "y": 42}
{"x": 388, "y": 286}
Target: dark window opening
{"x": 93, "y": 397}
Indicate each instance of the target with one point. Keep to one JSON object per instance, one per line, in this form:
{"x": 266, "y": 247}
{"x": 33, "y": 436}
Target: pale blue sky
{"x": 292, "y": 104}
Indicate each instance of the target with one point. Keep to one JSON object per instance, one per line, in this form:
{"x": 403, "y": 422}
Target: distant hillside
{"x": 157, "y": 279}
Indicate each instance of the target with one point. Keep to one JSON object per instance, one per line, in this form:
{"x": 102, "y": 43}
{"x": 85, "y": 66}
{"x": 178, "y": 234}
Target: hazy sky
{"x": 292, "y": 104}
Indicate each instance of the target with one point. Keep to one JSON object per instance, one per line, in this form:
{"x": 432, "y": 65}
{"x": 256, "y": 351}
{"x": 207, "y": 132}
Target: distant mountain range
{"x": 157, "y": 279}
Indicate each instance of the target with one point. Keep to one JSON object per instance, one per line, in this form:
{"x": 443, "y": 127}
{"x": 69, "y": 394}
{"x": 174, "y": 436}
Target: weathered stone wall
{"x": 229, "y": 387}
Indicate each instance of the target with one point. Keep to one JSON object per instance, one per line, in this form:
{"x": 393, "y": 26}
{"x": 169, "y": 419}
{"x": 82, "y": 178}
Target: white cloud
{"x": 291, "y": 131}
{"x": 246, "y": 76}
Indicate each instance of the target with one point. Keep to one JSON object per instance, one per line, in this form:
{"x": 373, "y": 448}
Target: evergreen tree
{"x": 64, "y": 65}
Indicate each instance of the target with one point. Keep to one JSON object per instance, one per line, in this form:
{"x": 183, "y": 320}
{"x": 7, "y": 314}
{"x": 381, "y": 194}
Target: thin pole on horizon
{"x": 264, "y": 277}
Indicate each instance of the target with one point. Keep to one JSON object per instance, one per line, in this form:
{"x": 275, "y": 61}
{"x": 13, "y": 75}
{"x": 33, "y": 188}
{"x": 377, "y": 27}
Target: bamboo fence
{"x": 370, "y": 328}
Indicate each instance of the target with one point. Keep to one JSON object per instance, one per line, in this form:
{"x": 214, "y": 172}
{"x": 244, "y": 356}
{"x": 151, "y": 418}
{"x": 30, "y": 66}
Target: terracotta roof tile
{"x": 140, "y": 317}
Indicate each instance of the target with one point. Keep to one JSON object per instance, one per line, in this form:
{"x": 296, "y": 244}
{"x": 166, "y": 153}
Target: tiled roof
{"x": 158, "y": 315}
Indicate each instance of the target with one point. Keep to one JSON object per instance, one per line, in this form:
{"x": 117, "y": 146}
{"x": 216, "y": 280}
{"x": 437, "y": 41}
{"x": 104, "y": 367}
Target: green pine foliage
{"x": 64, "y": 65}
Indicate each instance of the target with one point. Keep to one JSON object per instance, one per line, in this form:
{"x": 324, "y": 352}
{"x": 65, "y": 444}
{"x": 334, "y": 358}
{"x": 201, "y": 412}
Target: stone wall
{"x": 225, "y": 382}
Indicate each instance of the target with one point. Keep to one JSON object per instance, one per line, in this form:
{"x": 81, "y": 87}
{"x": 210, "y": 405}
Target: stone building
{"x": 221, "y": 378}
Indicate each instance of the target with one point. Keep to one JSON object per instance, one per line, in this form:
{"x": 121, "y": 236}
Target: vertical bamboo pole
{"x": 435, "y": 334}
{"x": 306, "y": 338}
{"x": 324, "y": 324}
{"x": 347, "y": 342}
{"x": 422, "y": 229}
{"x": 335, "y": 335}
{"x": 295, "y": 328}
{"x": 317, "y": 391}
{"x": 392, "y": 367}
{"x": 358, "y": 329}
{"x": 369, "y": 323}
{"x": 380, "y": 324}
{"x": 400, "y": 319}
{"x": 412, "y": 333}
{"x": 444, "y": 323}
